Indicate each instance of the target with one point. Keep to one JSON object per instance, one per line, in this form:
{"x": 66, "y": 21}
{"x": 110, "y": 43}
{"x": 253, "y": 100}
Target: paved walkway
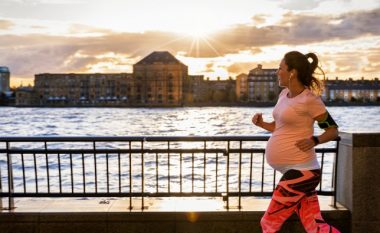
{"x": 173, "y": 204}
{"x": 161, "y": 215}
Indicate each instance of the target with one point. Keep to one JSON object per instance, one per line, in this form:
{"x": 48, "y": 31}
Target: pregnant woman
{"x": 290, "y": 149}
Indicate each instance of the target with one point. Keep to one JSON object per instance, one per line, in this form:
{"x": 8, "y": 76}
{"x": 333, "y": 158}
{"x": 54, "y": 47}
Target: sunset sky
{"x": 212, "y": 37}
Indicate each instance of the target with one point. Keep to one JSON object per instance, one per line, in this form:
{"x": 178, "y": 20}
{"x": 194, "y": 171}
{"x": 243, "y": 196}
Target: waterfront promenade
{"x": 356, "y": 211}
{"x": 163, "y": 215}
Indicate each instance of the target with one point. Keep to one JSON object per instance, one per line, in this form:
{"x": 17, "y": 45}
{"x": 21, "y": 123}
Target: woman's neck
{"x": 295, "y": 90}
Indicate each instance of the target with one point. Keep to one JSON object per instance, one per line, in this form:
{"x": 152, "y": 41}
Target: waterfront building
{"x": 221, "y": 91}
{"x": 25, "y": 96}
{"x": 4, "y": 80}
{"x": 362, "y": 90}
{"x": 83, "y": 89}
{"x": 242, "y": 87}
{"x": 195, "y": 89}
{"x": 260, "y": 85}
{"x": 159, "y": 79}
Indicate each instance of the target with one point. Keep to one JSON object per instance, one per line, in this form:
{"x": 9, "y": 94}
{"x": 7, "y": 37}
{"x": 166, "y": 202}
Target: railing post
{"x": 11, "y": 204}
{"x": 240, "y": 165}
{"x": 1, "y": 191}
{"x": 142, "y": 174}
{"x": 130, "y": 176}
{"x": 335, "y": 173}
{"x": 47, "y": 168}
{"x": 169, "y": 167}
{"x": 228, "y": 176}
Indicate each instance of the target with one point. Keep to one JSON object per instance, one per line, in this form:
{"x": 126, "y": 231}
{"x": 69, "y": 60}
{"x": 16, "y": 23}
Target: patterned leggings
{"x": 296, "y": 193}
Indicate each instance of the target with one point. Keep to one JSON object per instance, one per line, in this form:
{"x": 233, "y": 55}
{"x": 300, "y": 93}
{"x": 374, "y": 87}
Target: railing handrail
{"x": 132, "y": 138}
{"x": 171, "y": 149}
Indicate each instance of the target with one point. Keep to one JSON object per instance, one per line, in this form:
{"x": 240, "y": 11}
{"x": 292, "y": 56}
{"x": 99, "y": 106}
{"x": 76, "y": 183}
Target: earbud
{"x": 290, "y": 77}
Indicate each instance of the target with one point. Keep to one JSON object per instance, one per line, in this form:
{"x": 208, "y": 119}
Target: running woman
{"x": 290, "y": 149}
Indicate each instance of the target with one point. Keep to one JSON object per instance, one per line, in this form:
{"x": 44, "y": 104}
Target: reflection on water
{"x": 159, "y": 121}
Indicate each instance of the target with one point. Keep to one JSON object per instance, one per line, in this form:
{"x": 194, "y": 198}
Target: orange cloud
{"x": 5, "y": 24}
{"x": 27, "y": 55}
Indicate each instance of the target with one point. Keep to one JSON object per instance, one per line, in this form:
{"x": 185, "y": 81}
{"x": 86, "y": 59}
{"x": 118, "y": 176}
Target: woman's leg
{"x": 275, "y": 216}
{"x": 286, "y": 198}
{"x": 310, "y": 215}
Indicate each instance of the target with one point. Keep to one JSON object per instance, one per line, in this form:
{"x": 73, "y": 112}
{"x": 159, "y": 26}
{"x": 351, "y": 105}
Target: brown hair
{"x": 305, "y": 69}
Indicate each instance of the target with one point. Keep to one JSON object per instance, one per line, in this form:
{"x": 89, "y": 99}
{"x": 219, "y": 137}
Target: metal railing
{"x": 141, "y": 167}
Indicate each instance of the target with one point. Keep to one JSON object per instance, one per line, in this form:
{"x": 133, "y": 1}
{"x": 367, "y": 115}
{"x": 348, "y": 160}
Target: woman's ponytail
{"x": 314, "y": 63}
{"x": 305, "y": 69}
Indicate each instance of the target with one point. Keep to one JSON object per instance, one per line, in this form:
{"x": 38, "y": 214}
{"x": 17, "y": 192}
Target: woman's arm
{"x": 257, "y": 120}
{"x": 330, "y": 133}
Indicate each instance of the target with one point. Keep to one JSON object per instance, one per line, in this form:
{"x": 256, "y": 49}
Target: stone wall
{"x": 358, "y": 184}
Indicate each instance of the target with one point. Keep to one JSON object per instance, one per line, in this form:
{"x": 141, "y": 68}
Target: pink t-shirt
{"x": 294, "y": 119}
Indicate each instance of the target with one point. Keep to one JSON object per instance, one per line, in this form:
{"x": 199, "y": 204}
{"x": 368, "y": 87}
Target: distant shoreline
{"x": 330, "y": 104}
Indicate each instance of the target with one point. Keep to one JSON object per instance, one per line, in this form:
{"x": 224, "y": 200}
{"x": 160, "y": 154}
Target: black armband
{"x": 327, "y": 123}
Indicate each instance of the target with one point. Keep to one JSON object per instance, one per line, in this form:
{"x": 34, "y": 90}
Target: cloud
{"x": 70, "y": 10}
{"x": 297, "y": 29}
{"x": 27, "y": 55}
{"x": 373, "y": 65}
{"x": 259, "y": 19}
{"x": 31, "y": 54}
{"x": 85, "y": 29}
{"x": 245, "y": 67}
{"x": 5, "y": 24}
{"x": 352, "y": 63}
{"x": 38, "y": 27}
{"x": 300, "y": 4}
{"x": 35, "y": 2}
{"x": 240, "y": 67}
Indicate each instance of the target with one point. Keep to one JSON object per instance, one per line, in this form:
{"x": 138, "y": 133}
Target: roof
{"x": 260, "y": 71}
{"x": 4, "y": 69}
{"x": 159, "y": 57}
{"x": 25, "y": 89}
{"x": 352, "y": 84}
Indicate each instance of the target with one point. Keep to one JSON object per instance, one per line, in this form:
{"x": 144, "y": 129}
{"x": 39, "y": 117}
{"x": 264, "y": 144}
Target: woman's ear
{"x": 293, "y": 72}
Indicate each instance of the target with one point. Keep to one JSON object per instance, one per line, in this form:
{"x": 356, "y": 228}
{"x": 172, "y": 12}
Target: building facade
{"x": 242, "y": 87}
{"x": 261, "y": 85}
{"x": 195, "y": 89}
{"x": 350, "y": 90}
{"x": 25, "y": 96}
{"x": 221, "y": 91}
{"x": 159, "y": 79}
{"x": 4, "y": 80}
{"x": 83, "y": 89}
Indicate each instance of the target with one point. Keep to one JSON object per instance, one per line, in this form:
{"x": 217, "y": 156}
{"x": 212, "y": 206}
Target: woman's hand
{"x": 257, "y": 119}
{"x": 305, "y": 144}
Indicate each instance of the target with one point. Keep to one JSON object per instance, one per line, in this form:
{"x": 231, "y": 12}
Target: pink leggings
{"x": 296, "y": 193}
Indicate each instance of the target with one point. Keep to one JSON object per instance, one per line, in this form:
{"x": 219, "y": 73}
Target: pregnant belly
{"x": 282, "y": 150}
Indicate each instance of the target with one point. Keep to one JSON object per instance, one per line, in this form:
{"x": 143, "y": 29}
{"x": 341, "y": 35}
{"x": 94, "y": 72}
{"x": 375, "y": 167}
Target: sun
{"x": 198, "y": 32}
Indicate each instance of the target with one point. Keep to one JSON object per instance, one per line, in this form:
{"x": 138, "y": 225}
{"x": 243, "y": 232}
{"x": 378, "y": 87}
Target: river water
{"x": 194, "y": 121}
{"x": 161, "y": 121}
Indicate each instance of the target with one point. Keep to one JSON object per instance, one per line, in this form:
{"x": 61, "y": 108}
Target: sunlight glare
{"x": 192, "y": 204}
